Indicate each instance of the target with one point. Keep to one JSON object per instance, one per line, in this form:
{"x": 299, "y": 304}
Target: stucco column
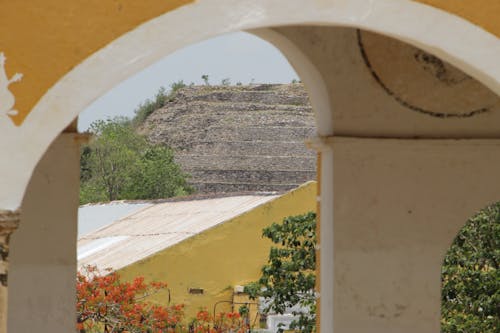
{"x": 325, "y": 240}
{"x": 9, "y": 221}
{"x": 43, "y": 249}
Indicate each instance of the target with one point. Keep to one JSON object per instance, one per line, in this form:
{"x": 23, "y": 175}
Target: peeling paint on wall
{"x": 7, "y": 99}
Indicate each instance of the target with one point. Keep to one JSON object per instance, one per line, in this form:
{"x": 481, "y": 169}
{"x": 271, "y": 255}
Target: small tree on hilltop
{"x": 204, "y": 77}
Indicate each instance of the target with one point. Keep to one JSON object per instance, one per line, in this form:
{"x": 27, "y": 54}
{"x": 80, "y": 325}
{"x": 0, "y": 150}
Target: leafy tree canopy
{"x": 470, "y": 298}
{"x": 107, "y": 304}
{"x": 287, "y": 280}
{"x": 121, "y": 164}
{"x": 159, "y": 100}
{"x": 470, "y": 276}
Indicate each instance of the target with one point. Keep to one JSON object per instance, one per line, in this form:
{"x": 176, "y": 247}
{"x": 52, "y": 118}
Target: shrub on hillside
{"x": 146, "y": 108}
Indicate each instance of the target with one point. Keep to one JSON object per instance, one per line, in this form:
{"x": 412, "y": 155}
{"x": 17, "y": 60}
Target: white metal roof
{"x": 94, "y": 216}
{"x": 157, "y": 227}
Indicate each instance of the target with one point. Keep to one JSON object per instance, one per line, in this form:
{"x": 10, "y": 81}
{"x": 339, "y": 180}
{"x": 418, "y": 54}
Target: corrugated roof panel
{"x": 159, "y": 226}
{"x": 97, "y": 245}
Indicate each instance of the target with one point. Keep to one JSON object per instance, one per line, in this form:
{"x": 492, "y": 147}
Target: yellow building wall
{"x": 229, "y": 254}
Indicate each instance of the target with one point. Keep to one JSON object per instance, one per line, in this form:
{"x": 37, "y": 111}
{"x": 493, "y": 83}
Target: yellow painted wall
{"x": 216, "y": 260}
{"x": 45, "y": 39}
{"x": 484, "y": 13}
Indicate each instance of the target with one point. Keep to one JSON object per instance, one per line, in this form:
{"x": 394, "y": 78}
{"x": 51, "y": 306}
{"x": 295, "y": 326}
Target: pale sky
{"x": 241, "y": 57}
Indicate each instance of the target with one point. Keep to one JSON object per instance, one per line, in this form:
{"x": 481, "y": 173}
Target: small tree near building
{"x": 470, "y": 295}
{"x": 121, "y": 164}
{"x": 105, "y": 304}
{"x": 288, "y": 279}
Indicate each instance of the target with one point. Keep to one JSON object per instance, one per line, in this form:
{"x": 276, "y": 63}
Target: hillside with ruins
{"x": 238, "y": 138}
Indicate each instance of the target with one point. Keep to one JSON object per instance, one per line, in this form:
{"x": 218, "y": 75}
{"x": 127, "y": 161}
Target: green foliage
{"x": 160, "y": 99}
{"x": 174, "y": 87}
{"x": 470, "y": 276}
{"x": 159, "y": 176}
{"x": 288, "y": 278}
{"x": 204, "y": 77}
{"x": 121, "y": 164}
{"x": 149, "y": 106}
{"x": 470, "y": 298}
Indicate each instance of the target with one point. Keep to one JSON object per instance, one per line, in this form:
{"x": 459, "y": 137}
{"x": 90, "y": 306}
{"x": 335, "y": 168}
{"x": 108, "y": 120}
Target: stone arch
{"x": 453, "y": 39}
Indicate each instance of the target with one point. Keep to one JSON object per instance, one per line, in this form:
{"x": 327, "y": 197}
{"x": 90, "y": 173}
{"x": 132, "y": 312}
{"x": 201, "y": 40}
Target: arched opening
{"x": 470, "y": 275}
{"x": 125, "y": 57}
{"x": 243, "y": 146}
{"x": 116, "y": 59}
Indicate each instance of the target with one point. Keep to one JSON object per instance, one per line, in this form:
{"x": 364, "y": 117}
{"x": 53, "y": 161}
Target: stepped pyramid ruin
{"x": 238, "y": 138}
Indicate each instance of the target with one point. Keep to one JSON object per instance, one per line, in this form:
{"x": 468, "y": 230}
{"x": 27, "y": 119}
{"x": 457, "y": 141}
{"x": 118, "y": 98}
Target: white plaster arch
{"x": 456, "y": 40}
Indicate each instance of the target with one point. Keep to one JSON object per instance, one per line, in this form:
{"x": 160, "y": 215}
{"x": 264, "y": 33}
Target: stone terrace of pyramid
{"x": 239, "y": 138}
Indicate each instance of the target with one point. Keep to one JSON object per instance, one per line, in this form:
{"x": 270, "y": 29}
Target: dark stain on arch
{"x": 403, "y": 102}
{"x": 437, "y": 68}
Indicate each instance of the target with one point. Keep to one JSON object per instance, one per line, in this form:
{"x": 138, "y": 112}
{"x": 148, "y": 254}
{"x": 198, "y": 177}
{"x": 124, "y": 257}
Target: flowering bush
{"x": 106, "y": 304}
{"x": 231, "y": 322}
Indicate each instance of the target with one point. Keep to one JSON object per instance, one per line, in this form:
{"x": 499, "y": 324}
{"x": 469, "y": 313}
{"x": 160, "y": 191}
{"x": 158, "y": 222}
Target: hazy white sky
{"x": 241, "y": 57}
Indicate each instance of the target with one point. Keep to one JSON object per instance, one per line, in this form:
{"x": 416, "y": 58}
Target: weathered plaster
{"x": 43, "y": 249}
{"x": 484, "y": 13}
{"x": 45, "y": 39}
{"x": 38, "y": 37}
{"x": 398, "y": 204}
{"x": 396, "y": 93}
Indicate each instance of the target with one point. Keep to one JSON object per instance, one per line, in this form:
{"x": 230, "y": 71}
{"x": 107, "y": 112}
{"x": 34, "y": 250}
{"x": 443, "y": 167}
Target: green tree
{"x": 288, "y": 278}
{"x": 149, "y": 106}
{"x": 121, "y": 164}
{"x": 174, "y": 87}
{"x": 470, "y": 276}
{"x": 204, "y": 77}
{"x": 160, "y": 99}
{"x": 157, "y": 175}
{"x": 470, "y": 298}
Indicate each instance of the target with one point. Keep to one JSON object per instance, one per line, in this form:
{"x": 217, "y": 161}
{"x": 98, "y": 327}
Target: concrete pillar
{"x": 413, "y": 150}
{"x": 325, "y": 236}
{"x": 43, "y": 250}
{"x": 326, "y": 243}
{"x": 9, "y": 221}
{"x": 398, "y": 204}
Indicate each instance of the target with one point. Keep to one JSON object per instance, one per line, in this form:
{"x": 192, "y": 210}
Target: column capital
{"x": 320, "y": 143}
